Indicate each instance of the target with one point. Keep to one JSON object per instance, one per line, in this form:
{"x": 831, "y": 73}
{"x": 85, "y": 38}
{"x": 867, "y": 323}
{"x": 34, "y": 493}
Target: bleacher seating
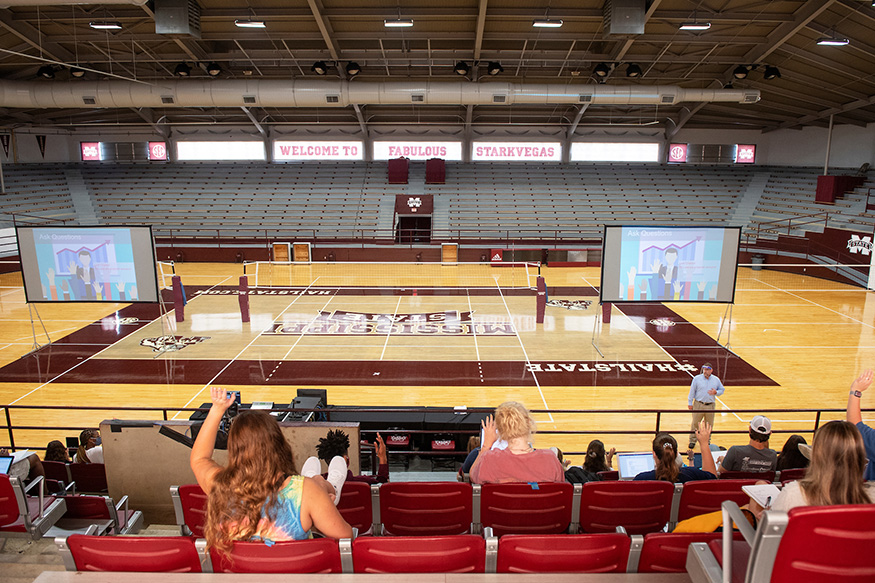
{"x": 425, "y": 509}
{"x": 305, "y": 556}
{"x": 639, "y": 507}
{"x": 703, "y": 496}
{"x": 356, "y": 506}
{"x": 89, "y": 477}
{"x": 814, "y": 543}
{"x": 464, "y": 553}
{"x": 25, "y": 515}
{"x": 122, "y": 519}
{"x": 571, "y": 553}
{"x": 766, "y": 476}
{"x": 190, "y": 508}
{"x": 138, "y": 554}
{"x": 518, "y": 508}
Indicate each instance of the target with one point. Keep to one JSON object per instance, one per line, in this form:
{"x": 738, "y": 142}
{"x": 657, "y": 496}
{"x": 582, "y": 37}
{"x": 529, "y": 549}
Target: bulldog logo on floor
{"x": 164, "y": 343}
{"x": 570, "y": 304}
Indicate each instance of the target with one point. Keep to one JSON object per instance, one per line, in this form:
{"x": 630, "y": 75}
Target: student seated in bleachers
{"x": 756, "y": 456}
{"x": 90, "y": 449}
{"x": 336, "y": 443}
{"x": 596, "y": 461}
{"x": 258, "y": 496}
{"x": 517, "y": 461}
{"x": 669, "y": 467}
{"x": 56, "y": 452}
{"x": 791, "y": 457}
{"x": 835, "y": 476}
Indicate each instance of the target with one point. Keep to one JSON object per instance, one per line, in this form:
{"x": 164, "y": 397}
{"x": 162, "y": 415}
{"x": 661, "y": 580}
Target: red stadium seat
{"x": 152, "y": 554}
{"x": 190, "y": 506}
{"x": 814, "y": 543}
{"x": 703, "y": 496}
{"x": 666, "y": 552}
{"x": 638, "y": 506}
{"x": 89, "y": 477}
{"x": 425, "y": 508}
{"x": 320, "y": 555}
{"x": 767, "y": 476}
{"x": 24, "y": 515}
{"x": 102, "y": 508}
{"x": 355, "y": 506}
{"x": 518, "y": 508}
{"x": 609, "y": 475}
{"x": 465, "y": 553}
{"x": 58, "y": 471}
{"x": 563, "y": 553}
{"x": 792, "y": 474}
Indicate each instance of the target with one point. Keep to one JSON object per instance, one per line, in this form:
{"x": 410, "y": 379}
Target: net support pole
{"x": 178, "y": 299}
{"x": 596, "y": 332}
{"x": 541, "y": 306}
{"x": 243, "y": 298}
{"x": 606, "y": 312}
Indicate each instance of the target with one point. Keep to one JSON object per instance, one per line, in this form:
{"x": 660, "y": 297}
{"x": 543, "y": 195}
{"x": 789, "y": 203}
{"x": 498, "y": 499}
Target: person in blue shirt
{"x": 855, "y": 416}
{"x": 704, "y": 390}
{"x": 668, "y": 464}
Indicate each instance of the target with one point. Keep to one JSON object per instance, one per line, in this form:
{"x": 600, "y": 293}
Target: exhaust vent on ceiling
{"x": 178, "y": 17}
{"x": 669, "y": 99}
{"x": 332, "y": 99}
{"x": 417, "y": 98}
{"x": 167, "y": 99}
{"x": 499, "y": 98}
{"x": 249, "y": 99}
{"x": 89, "y": 100}
{"x": 584, "y": 98}
{"x": 751, "y": 97}
{"x": 624, "y": 17}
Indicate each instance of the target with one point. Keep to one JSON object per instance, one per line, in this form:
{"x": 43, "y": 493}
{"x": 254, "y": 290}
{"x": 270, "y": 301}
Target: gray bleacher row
{"x": 328, "y": 198}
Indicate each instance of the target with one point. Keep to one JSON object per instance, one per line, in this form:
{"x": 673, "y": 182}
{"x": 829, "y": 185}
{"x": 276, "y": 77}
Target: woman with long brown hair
{"x": 258, "y": 495}
{"x": 835, "y": 476}
{"x": 667, "y": 464}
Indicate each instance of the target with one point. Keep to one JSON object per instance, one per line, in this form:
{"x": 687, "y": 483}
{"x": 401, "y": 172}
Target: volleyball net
{"x": 505, "y": 275}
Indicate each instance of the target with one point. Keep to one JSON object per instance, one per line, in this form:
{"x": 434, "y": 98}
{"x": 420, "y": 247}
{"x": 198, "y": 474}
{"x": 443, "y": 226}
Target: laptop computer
{"x": 5, "y": 463}
{"x": 632, "y": 464}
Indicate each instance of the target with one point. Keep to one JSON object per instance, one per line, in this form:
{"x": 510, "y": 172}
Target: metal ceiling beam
{"x": 801, "y": 18}
{"x": 685, "y": 117}
{"x": 820, "y": 61}
{"x": 148, "y": 116}
{"x": 478, "y": 38}
{"x": 325, "y": 29}
{"x": 33, "y": 37}
{"x": 828, "y": 112}
{"x": 254, "y": 121}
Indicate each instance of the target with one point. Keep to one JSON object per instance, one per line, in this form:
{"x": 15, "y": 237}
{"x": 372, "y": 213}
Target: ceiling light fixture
{"x": 740, "y": 72}
{"x": 494, "y": 68}
{"x": 77, "y": 72}
{"x": 214, "y": 70}
{"x": 46, "y": 71}
{"x": 833, "y": 41}
{"x": 105, "y": 25}
{"x": 398, "y": 23}
{"x": 245, "y": 23}
{"x": 771, "y": 72}
{"x": 461, "y": 68}
{"x": 546, "y": 23}
{"x": 695, "y": 25}
{"x": 633, "y": 70}
{"x": 601, "y": 70}
{"x": 353, "y": 69}
{"x": 182, "y": 70}
{"x": 319, "y": 67}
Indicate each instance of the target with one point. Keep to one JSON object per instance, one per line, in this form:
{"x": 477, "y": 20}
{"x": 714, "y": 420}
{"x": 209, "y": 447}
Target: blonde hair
{"x": 838, "y": 461}
{"x": 512, "y": 420}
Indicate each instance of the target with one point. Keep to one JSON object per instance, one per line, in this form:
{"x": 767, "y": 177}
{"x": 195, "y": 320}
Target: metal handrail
{"x": 658, "y": 421}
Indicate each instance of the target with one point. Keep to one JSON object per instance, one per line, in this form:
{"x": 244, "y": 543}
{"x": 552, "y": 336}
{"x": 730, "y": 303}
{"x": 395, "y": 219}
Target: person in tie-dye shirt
{"x": 258, "y": 495}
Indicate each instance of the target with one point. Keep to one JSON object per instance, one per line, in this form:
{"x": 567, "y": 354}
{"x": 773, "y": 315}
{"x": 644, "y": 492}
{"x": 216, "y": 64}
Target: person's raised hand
{"x": 703, "y": 433}
{"x": 862, "y": 382}
{"x": 380, "y": 447}
{"x": 489, "y": 434}
{"x": 221, "y": 398}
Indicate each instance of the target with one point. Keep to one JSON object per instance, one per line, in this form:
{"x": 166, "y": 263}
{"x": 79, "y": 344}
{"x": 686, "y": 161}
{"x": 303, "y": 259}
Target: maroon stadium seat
{"x": 609, "y": 475}
{"x": 425, "y": 508}
{"x": 89, "y": 477}
{"x": 320, "y": 555}
{"x": 518, "y": 508}
{"x": 563, "y": 553}
{"x": 57, "y": 471}
{"x": 356, "y": 507}
{"x": 153, "y": 554}
{"x": 792, "y": 474}
{"x": 638, "y": 506}
{"x": 192, "y": 504}
{"x": 464, "y": 553}
{"x": 767, "y": 476}
{"x": 666, "y": 552}
{"x": 704, "y": 496}
{"x": 102, "y": 508}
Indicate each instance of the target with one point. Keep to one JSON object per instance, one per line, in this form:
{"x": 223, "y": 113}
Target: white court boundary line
{"x": 389, "y": 333}
{"x": 310, "y": 323}
{"x": 473, "y": 326}
{"x": 525, "y": 354}
{"x": 78, "y": 364}
{"x": 245, "y": 348}
{"x": 813, "y": 303}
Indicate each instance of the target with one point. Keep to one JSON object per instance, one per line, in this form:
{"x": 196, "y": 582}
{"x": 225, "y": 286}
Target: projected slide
{"x": 88, "y": 264}
{"x": 642, "y": 263}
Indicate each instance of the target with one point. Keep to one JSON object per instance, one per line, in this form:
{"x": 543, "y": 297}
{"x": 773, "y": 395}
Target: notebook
{"x": 632, "y": 464}
{"x": 5, "y": 463}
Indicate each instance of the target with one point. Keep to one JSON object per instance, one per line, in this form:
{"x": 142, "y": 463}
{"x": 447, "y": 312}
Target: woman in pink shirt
{"x": 518, "y": 462}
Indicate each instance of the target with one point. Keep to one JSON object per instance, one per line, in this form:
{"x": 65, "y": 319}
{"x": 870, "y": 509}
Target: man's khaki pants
{"x": 701, "y": 411}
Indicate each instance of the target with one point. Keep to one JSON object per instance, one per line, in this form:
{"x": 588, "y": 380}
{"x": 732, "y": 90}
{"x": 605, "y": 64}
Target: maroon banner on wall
{"x": 418, "y": 204}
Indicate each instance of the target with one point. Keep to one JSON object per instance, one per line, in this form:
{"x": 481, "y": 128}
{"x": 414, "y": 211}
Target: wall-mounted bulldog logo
{"x": 414, "y": 202}
{"x": 165, "y": 343}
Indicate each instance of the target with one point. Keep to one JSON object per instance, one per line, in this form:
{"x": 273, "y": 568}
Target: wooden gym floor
{"x": 796, "y": 342}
